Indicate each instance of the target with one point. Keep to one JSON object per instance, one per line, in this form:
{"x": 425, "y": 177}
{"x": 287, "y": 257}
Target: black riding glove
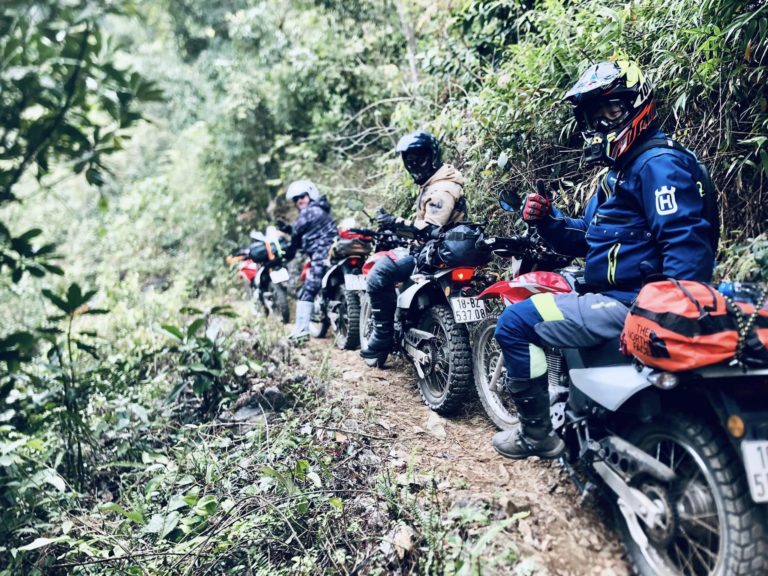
{"x": 385, "y": 220}
{"x": 284, "y": 227}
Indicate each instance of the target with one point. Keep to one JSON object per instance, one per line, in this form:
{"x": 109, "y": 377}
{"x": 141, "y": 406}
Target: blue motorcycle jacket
{"x": 649, "y": 221}
{"x": 314, "y": 230}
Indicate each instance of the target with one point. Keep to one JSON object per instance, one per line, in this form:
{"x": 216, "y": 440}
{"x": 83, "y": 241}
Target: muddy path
{"x": 561, "y": 535}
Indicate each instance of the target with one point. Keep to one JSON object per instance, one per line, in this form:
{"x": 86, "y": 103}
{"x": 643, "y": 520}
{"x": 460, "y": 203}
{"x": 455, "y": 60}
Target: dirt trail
{"x": 560, "y": 536}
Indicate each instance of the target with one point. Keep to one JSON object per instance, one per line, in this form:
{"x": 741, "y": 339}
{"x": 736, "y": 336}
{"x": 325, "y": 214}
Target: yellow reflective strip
{"x": 538, "y": 361}
{"x": 545, "y": 305}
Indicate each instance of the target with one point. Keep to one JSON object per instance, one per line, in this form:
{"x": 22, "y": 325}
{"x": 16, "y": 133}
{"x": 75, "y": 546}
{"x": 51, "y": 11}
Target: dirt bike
{"x": 263, "y": 267}
{"x": 434, "y": 310}
{"x": 682, "y": 458}
{"x": 337, "y": 304}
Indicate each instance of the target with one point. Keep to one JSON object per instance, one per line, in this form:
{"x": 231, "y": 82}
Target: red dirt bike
{"x": 262, "y": 267}
{"x": 337, "y": 305}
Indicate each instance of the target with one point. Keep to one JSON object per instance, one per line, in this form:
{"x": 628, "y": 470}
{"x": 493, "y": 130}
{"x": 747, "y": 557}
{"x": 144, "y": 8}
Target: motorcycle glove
{"x": 284, "y": 227}
{"x": 537, "y": 204}
{"x": 385, "y": 220}
{"x": 536, "y": 207}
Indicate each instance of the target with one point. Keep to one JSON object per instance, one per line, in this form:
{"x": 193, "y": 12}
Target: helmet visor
{"x": 603, "y": 115}
{"x": 419, "y": 164}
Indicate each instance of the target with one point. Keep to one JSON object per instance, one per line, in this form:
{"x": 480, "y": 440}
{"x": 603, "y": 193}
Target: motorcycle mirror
{"x": 509, "y": 201}
{"x": 355, "y": 204}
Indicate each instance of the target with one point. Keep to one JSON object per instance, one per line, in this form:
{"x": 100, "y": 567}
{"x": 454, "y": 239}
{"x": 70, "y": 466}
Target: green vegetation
{"x": 139, "y": 141}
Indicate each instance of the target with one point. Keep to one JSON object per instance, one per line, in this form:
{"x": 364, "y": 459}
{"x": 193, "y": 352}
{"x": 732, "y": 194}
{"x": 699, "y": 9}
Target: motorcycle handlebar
{"x": 515, "y": 245}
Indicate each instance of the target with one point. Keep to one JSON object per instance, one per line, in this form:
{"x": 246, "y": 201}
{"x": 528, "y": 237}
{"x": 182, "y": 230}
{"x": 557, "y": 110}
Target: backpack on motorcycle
{"x": 458, "y": 246}
{"x": 680, "y": 325}
{"x": 263, "y": 251}
{"x": 345, "y": 247}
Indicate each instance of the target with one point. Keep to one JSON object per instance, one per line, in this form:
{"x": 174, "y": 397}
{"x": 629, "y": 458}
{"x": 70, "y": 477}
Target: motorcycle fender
{"x": 257, "y": 279}
{"x": 610, "y": 386}
{"x": 331, "y": 271}
{"x": 406, "y": 298}
{"x": 525, "y": 286}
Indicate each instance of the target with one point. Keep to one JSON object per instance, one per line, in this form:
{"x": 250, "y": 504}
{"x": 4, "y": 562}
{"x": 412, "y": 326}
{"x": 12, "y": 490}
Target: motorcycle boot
{"x": 303, "y": 317}
{"x": 534, "y": 436}
{"x": 381, "y": 339}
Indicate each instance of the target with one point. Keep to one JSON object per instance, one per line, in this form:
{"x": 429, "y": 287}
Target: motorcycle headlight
{"x": 663, "y": 380}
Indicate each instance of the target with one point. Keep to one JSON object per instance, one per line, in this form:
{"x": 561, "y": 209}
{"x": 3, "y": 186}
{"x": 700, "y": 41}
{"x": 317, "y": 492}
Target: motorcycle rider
{"x": 440, "y": 202}
{"x": 646, "y": 217}
{"x": 313, "y": 232}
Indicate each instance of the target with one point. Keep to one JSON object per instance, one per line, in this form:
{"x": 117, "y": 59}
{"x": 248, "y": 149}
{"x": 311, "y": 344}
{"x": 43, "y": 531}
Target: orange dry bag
{"x": 679, "y": 325}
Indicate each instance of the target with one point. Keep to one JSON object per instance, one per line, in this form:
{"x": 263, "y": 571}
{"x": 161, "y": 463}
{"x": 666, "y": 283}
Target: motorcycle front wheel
{"x": 486, "y": 355}
{"x": 280, "y": 302}
{"x": 346, "y": 325}
{"x": 447, "y": 382}
{"x": 711, "y": 526}
{"x": 366, "y": 329}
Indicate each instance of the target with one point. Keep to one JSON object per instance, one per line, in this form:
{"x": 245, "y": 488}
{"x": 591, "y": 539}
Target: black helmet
{"x": 421, "y": 155}
{"x": 619, "y": 88}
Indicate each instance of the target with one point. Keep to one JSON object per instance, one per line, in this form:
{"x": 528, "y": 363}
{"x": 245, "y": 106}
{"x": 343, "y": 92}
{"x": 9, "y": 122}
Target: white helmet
{"x": 301, "y": 187}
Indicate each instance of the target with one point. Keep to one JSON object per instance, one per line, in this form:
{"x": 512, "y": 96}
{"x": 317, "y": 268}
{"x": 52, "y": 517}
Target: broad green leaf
{"x": 173, "y": 331}
{"x": 241, "y": 370}
{"x": 191, "y": 310}
{"x": 206, "y": 506}
{"x": 37, "y": 543}
{"x": 171, "y": 521}
{"x": 195, "y": 326}
{"x": 57, "y": 301}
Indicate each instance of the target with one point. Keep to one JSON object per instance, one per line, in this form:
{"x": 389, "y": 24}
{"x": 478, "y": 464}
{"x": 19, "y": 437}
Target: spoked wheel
{"x": 447, "y": 382}
{"x": 709, "y": 523}
{"x": 346, "y": 324}
{"x": 486, "y": 356}
{"x": 366, "y": 329}
{"x": 319, "y": 324}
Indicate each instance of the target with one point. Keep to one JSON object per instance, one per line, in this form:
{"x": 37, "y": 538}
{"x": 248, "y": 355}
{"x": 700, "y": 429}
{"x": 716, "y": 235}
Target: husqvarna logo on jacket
{"x": 665, "y": 201}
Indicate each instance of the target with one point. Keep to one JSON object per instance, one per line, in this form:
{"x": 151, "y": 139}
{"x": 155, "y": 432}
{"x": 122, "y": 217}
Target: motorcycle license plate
{"x": 279, "y": 275}
{"x": 354, "y": 282}
{"x": 467, "y": 310}
{"x": 756, "y": 462}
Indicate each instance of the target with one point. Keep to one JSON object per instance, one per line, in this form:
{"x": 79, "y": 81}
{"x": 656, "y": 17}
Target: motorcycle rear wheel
{"x": 447, "y": 385}
{"x": 319, "y": 324}
{"x": 486, "y": 354}
{"x": 718, "y": 529}
{"x": 347, "y": 325}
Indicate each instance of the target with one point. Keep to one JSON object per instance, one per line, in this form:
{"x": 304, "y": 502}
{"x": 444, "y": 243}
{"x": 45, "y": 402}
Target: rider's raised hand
{"x": 537, "y": 204}
{"x": 284, "y": 227}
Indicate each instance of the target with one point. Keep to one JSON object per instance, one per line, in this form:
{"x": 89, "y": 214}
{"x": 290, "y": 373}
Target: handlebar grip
{"x": 541, "y": 189}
